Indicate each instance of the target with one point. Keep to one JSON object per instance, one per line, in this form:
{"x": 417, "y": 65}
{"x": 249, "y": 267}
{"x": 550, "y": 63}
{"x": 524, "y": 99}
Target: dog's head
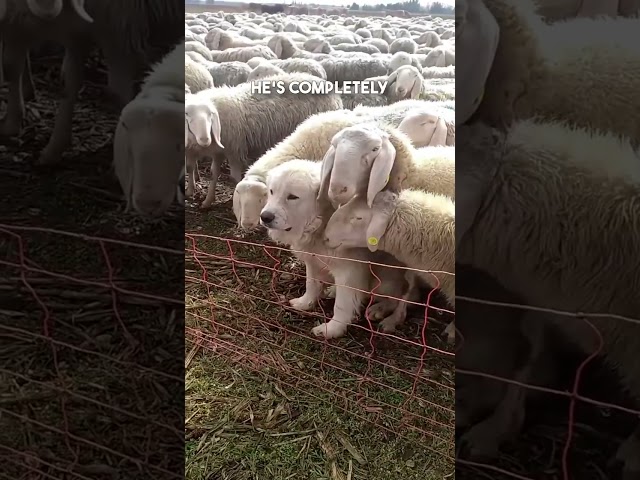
{"x": 292, "y": 210}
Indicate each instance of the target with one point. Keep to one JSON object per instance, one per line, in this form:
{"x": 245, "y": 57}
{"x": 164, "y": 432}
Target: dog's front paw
{"x": 331, "y": 329}
{"x": 302, "y": 303}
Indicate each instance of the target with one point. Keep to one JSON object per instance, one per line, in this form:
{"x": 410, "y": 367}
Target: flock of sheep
{"x": 300, "y": 163}
{"x": 548, "y": 192}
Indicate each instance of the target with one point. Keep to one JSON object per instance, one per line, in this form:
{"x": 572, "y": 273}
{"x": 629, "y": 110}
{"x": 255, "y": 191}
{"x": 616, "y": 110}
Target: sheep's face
{"x": 424, "y": 129}
{"x": 249, "y": 198}
{"x": 347, "y": 227}
{"x": 203, "y": 121}
{"x": 359, "y": 159}
{"x": 291, "y": 209}
{"x": 408, "y": 82}
{"x": 157, "y": 154}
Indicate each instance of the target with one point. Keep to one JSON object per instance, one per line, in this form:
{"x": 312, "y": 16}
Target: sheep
{"x": 367, "y": 158}
{"x": 303, "y": 234}
{"x": 403, "y": 45}
{"x": 229, "y": 73}
{"x": 360, "y": 47}
{"x": 439, "y": 72}
{"x": 148, "y": 151}
{"x": 415, "y": 227}
{"x": 264, "y": 70}
{"x": 429, "y": 39}
{"x": 406, "y": 82}
{"x": 301, "y": 65}
{"x": 266, "y": 119}
{"x": 342, "y": 69}
{"x": 196, "y": 57}
{"x": 317, "y": 45}
{"x": 198, "y": 48}
{"x": 514, "y": 234}
{"x": 126, "y": 46}
{"x": 440, "y": 56}
{"x": 380, "y": 44}
{"x": 242, "y": 54}
{"x": 218, "y": 39}
{"x": 429, "y": 126}
{"x": 337, "y": 39}
{"x": 400, "y": 59}
{"x": 196, "y": 76}
{"x": 548, "y": 78}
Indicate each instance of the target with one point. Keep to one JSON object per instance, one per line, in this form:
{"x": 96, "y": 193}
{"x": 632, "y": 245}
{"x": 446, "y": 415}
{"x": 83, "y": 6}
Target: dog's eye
{"x": 271, "y": 192}
{"x": 375, "y": 149}
{"x": 292, "y": 197}
{"x": 358, "y": 218}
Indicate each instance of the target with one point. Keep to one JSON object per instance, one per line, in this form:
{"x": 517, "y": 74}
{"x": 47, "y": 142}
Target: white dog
{"x": 295, "y": 218}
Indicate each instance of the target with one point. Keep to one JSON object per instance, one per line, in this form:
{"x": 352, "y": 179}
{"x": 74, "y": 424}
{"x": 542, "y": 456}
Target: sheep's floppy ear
{"x": 439, "y": 137}
{"x": 327, "y": 167}
{"x": 237, "y": 206}
{"x": 381, "y": 169}
{"x": 215, "y": 127}
{"x": 416, "y": 90}
{"x": 318, "y": 48}
{"x": 391, "y": 79}
{"x": 215, "y": 41}
{"x": 382, "y": 209}
{"x": 278, "y": 51}
{"x": 78, "y": 7}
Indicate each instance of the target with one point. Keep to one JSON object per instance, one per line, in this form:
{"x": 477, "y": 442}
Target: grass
{"x": 88, "y": 378}
{"x": 265, "y": 400}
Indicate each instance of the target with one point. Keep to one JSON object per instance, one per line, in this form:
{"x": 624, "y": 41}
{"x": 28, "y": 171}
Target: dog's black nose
{"x": 267, "y": 217}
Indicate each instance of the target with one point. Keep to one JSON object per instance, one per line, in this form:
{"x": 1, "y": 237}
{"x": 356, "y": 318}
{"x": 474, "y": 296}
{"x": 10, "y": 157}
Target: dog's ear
{"x": 383, "y": 208}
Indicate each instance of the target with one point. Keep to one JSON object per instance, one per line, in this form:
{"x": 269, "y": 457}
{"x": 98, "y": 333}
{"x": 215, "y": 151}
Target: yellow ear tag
{"x": 372, "y": 241}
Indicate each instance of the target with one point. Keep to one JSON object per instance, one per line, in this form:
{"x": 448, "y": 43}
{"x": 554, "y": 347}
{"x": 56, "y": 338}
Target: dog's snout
{"x": 267, "y": 217}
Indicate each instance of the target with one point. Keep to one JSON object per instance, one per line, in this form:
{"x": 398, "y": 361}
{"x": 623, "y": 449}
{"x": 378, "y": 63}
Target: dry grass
{"x": 264, "y": 400}
{"x": 103, "y": 398}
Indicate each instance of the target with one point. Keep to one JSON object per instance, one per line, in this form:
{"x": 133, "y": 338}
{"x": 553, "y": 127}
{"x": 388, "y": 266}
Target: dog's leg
{"x": 351, "y": 283}
{"x": 313, "y": 287}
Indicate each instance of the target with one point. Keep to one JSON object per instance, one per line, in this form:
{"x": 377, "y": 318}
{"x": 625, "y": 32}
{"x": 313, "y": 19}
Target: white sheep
{"x": 294, "y": 218}
{"x": 242, "y": 54}
{"x": 264, "y": 70}
{"x": 416, "y": 227}
{"x": 266, "y": 119}
{"x": 403, "y": 45}
{"x": 196, "y": 76}
{"x": 548, "y": 243}
{"x": 345, "y": 69}
{"x": 550, "y": 80}
{"x": 430, "y": 126}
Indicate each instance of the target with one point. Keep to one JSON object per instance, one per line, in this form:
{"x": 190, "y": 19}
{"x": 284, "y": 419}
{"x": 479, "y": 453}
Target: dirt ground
{"x": 91, "y": 379}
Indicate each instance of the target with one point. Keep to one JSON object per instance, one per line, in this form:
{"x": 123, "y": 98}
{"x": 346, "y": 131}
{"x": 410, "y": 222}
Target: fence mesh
{"x": 237, "y": 308}
{"x": 89, "y": 383}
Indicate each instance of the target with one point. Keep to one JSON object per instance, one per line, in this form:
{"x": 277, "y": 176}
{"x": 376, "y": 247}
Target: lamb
{"x": 229, "y": 73}
{"x": 403, "y": 45}
{"x": 344, "y": 69}
{"x": 125, "y": 44}
{"x": 299, "y": 224}
{"x": 196, "y": 76}
{"x": 548, "y": 77}
{"x": 264, "y": 70}
{"x": 430, "y": 126}
{"x": 573, "y": 189}
{"x": 415, "y": 227}
{"x": 242, "y": 54}
{"x": 266, "y": 119}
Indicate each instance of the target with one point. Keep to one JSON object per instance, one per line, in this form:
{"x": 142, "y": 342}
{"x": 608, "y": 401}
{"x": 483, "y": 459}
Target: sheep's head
{"x": 424, "y": 128}
{"x": 407, "y": 82}
{"x": 291, "y": 210}
{"x": 359, "y": 159}
{"x": 249, "y": 198}
{"x": 356, "y": 225}
{"x": 202, "y": 120}
{"x": 156, "y": 153}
